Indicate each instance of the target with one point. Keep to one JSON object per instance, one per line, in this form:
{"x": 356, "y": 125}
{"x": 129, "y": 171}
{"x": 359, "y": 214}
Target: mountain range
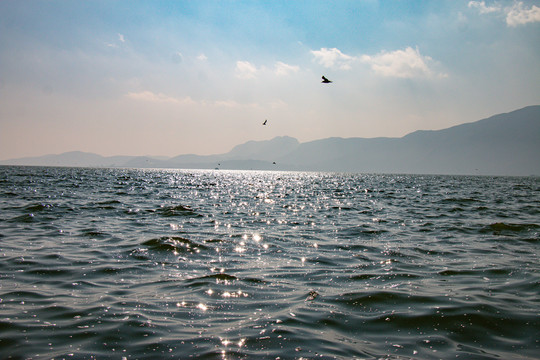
{"x": 504, "y": 144}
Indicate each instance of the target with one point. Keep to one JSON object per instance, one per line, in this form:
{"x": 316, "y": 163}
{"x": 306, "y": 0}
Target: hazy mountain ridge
{"x": 504, "y": 144}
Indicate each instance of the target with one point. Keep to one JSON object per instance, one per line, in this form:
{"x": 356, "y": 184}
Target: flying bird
{"x": 264, "y": 123}
{"x": 325, "y": 80}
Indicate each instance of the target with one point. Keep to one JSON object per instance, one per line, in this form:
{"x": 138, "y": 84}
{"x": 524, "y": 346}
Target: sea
{"x": 99, "y": 263}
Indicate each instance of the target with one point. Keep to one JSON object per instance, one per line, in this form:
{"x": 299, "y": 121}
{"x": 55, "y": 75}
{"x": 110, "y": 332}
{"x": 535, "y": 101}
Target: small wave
{"x": 49, "y": 272}
{"x": 178, "y": 210}
{"x": 508, "y": 228}
{"x": 459, "y": 200}
{"x": 481, "y": 273}
{"x": 17, "y": 295}
{"x": 201, "y": 281}
{"x": 382, "y": 299}
{"x": 212, "y": 241}
{"x": 93, "y": 233}
{"x": 108, "y": 205}
{"x": 431, "y": 251}
{"x": 36, "y": 207}
{"x": 385, "y": 277}
{"x": 26, "y": 218}
{"x": 10, "y": 194}
{"x": 364, "y": 230}
{"x": 220, "y": 277}
{"x": 174, "y": 244}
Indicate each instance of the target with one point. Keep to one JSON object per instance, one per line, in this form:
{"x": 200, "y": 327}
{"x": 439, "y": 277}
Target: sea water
{"x": 147, "y": 264}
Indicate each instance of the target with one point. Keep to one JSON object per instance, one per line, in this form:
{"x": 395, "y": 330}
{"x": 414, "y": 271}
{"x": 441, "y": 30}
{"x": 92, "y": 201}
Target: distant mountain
{"x": 268, "y": 150}
{"x": 504, "y": 144}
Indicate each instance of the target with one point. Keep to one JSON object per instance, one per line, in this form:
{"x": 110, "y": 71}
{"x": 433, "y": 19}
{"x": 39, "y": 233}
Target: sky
{"x": 165, "y": 78}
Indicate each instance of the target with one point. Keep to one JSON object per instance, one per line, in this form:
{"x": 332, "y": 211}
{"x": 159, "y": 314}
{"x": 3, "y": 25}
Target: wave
{"x": 509, "y": 228}
{"x": 177, "y": 210}
{"x": 174, "y": 244}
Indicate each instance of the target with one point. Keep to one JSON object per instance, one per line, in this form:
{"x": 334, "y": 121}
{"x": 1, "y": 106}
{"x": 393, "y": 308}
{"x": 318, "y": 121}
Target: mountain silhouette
{"x": 504, "y": 144}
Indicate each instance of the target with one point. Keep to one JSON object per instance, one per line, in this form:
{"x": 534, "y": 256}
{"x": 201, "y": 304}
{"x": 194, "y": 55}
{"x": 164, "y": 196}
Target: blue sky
{"x": 178, "y": 77}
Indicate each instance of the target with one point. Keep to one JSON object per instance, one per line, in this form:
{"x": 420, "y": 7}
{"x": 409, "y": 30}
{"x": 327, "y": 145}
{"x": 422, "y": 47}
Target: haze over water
{"x": 145, "y": 264}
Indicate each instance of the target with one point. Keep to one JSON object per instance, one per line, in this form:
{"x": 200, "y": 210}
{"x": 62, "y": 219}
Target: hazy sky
{"x": 177, "y": 77}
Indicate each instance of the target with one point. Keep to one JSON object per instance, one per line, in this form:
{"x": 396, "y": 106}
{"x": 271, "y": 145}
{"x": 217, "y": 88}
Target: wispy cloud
{"x": 483, "y": 8}
{"x": 121, "y": 40}
{"x": 285, "y": 69}
{"x": 202, "y": 57}
{"x": 520, "y": 15}
{"x": 178, "y": 57}
{"x": 245, "y": 70}
{"x": 231, "y": 104}
{"x": 333, "y": 58}
{"x": 517, "y": 14}
{"x": 407, "y": 63}
{"x": 158, "y": 98}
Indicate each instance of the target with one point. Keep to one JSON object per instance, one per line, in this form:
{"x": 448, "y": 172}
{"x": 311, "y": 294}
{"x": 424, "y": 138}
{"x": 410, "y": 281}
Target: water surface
{"x": 145, "y": 264}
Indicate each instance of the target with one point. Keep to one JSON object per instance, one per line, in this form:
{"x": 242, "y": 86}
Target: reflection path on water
{"x": 113, "y": 263}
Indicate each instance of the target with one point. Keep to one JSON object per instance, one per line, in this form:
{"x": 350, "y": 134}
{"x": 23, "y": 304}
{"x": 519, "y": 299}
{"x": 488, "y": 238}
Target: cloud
{"x": 517, "y": 14}
{"x": 333, "y": 58}
{"x": 408, "y": 63}
{"x": 245, "y": 70}
{"x": 202, "y": 57}
{"x": 285, "y": 69}
{"x": 158, "y": 98}
{"x": 231, "y": 104}
{"x": 178, "y": 57}
{"x": 482, "y": 8}
{"x": 116, "y": 44}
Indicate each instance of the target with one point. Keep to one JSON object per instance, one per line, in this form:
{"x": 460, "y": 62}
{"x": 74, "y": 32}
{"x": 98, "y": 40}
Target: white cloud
{"x": 278, "y": 103}
{"x": 517, "y": 14}
{"x": 285, "y": 69}
{"x": 117, "y": 44}
{"x": 232, "y": 104}
{"x": 245, "y": 70}
{"x": 202, "y": 57}
{"x": 408, "y": 63}
{"x": 483, "y": 8}
{"x": 178, "y": 57}
{"x": 333, "y": 58}
{"x": 158, "y": 98}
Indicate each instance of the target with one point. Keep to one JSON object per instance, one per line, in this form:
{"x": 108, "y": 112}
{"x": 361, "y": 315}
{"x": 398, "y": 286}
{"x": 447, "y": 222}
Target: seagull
{"x": 325, "y": 80}
{"x": 264, "y": 123}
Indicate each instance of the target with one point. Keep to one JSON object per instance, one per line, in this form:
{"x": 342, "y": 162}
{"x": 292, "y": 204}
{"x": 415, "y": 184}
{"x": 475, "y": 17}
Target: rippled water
{"x": 135, "y": 264}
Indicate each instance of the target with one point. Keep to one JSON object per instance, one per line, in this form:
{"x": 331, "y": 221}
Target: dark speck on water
{"x": 154, "y": 264}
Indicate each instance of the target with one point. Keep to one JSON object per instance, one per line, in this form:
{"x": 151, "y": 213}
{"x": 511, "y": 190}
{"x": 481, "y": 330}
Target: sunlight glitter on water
{"x": 328, "y": 266}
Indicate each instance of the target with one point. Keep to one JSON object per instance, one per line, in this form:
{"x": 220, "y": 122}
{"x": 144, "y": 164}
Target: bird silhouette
{"x": 325, "y": 80}
{"x": 264, "y": 123}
